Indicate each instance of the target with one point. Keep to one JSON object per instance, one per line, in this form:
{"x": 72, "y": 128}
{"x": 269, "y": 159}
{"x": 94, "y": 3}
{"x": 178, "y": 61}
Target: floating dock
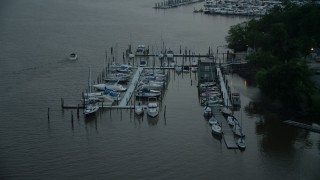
{"x": 227, "y": 135}
{"x": 303, "y": 126}
{"x": 226, "y": 99}
{"x": 131, "y": 88}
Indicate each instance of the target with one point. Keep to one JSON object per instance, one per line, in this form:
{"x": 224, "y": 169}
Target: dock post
{"x": 62, "y": 103}
{"x": 72, "y": 119}
{"x": 48, "y": 114}
{"x": 78, "y": 110}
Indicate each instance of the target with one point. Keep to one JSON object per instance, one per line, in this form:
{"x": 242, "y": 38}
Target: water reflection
{"x": 153, "y": 120}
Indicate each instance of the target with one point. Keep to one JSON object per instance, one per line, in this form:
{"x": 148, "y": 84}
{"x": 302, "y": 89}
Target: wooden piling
{"x": 48, "y": 114}
{"x": 62, "y": 103}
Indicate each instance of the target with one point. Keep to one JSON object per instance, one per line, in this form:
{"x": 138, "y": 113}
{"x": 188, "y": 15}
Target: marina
{"x": 212, "y": 87}
{"x": 39, "y": 139}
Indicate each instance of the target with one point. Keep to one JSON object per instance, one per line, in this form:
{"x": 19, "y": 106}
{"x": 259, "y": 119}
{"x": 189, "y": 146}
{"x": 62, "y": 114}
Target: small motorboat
{"x": 231, "y": 120}
{"x": 207, "y": 112}
{"x": 213, "y": 120}
{"x": 138, "y": 109}
{"x": 216, "y": 128}
{"x": 170, "y": 54}
{"x": 73, "y": 57}
{"x": 153, "y": 109}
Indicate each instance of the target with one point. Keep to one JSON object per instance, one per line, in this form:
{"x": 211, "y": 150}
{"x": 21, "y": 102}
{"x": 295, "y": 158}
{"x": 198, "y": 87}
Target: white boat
{"x": 212, "y": 120}
{"x": 147, "y": 92}
{"x": 141, "y": 50}
{"x": 194, "y": 63}
{"x": 241, "y": 143}
{"x": 115, "y": 87}
{"x": 216, "y": 128}
{"x": 207, "y": 112}
{"x": 178, "y": 69}
{"x": 153, "y": 109}
{"x": 131, "y": 55}
{"x": 73, "y": 57}
{"x": 138, "y": 109}
{"x": 170, "y": 54}
{"x": 231, "y": 120}
{"x": 237, "y": 129}
{"x": 107, "y": 100}
{"x": 90, "y": 106}
{"x": 161, "y": 55}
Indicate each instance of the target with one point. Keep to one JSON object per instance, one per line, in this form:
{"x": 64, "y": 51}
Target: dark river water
{"x": 36, "y": 36}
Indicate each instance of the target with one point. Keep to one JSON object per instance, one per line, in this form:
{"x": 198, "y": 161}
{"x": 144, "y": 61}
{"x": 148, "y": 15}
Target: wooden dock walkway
{"x": 228, "y": 135}
{"x": 131, "y": 88}
{"x": 225, "y": 95}
{"x": 303, "y": 126}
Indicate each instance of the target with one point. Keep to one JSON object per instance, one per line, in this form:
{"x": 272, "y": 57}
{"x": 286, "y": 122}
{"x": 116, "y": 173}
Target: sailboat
{"x": 90, "y": 105}
{"x": 241, "y": 143}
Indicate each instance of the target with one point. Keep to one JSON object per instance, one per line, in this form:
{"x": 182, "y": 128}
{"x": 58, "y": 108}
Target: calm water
{"x": 35, "y": 38}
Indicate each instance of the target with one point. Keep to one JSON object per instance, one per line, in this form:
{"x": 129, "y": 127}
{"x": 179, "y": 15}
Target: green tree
{"x": 281, "y": 40}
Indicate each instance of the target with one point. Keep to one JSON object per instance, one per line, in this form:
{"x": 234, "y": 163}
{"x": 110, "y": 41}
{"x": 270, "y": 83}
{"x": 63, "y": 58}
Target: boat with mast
{"x": 90, "y": 104}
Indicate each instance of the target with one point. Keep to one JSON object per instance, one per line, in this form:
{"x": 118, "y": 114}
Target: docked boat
{"x": 178, "y": 69}
{"x": 114, "y": 95}
{"x": 194, "y": 69}
{"x": 207, "y": 112}
{"x": 90, "y": 106}
{"x": 186, "y": 69}
{"x": 73, "y": 57}
{"x": 231, "y": 120}
{"x": 237, "y": 129}
{"x": 216, "y": 128}
{"x": 115, "y": 87}
{"x": 241, "y": 143}
{"x": 141, "y": 50}
{"x": 138, "y": 109}
{"x": 117, "y": 77}
{"x": 212, "y": 120}
{"x": 143, "y": 63}
{"x": 147, "y": 92}
{"x": 153, "y": 109}
{"x": 170, "y": 54}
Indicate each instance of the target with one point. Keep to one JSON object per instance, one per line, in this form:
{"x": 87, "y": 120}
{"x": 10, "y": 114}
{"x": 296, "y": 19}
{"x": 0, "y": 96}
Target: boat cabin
{"x": 235, "y": 98}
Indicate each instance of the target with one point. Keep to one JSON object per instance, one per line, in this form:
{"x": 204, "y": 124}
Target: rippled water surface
{"x": 36, "y": 37}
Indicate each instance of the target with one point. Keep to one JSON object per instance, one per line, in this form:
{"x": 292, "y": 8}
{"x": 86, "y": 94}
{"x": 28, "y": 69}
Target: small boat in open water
{"x": 73, "y": 57}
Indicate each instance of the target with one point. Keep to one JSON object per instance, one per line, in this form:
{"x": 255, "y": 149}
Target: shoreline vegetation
{"x": 280, "y": 45}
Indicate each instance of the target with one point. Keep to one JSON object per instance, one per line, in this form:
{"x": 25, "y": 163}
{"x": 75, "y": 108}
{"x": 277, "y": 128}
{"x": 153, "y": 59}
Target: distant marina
{"x": 174, "y": 3}
{"x": 226, "y": 7}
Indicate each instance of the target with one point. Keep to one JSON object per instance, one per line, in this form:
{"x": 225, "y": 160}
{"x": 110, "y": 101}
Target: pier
{"x": 227, "y": 135}
{"x": 225, "y": 94}
{"x": 303, "y": 126}
{"x": 131, "y": 88}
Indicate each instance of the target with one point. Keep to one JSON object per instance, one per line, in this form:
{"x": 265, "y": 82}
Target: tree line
{"x": 281, "y": 42}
